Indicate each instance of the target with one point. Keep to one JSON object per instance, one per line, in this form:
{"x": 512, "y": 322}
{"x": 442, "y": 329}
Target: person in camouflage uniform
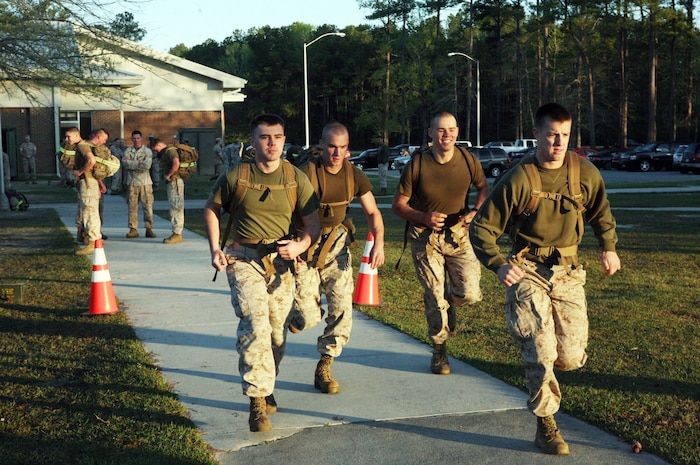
{"x": 175, "y": 186}
{"x": 260, "y": 262}
{"x": 437, "y": 207}
{"x": 328, "y": 262}
{"x": 546, "y": 309}
{"x": 28, "y": 152}
{"x": 88, "y": 187}
{"x": 219, "y": 160}
{"x": 115, "y": 183}
{"x": 137, "y": 162}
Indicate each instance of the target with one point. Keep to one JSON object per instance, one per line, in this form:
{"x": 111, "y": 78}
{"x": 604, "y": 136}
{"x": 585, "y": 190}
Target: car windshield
{"x": 645, "y": 148}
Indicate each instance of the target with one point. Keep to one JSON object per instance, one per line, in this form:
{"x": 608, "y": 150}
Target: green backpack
{"x": 107, "y": 164}
{"x": 188, "y": 160}
{"x": 533, "y": 176}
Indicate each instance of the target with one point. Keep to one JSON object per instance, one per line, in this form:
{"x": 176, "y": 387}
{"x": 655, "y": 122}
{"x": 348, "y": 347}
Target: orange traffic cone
{"x": 102, "y": 300}
{"x": 367, "y": 288}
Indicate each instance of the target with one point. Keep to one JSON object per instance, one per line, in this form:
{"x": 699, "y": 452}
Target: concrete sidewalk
{"x": 391, "y": 409}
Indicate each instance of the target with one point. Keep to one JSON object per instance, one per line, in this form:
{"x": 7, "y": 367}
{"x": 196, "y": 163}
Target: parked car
{"x": 493, "y": 160}
{"x": 400, "y": 162}
{"x": 368, "y": 158}
{"x": 691, "y": 159}
{"x": 602, "y": 159}
{"x": 584, "y": 152}
{"x": 400, "y": 150}
{"x": 520, "y": 144}
{"x": 678, "y": 156}
{"x": 499, "y": 144}
{"x": 655, "y": 155}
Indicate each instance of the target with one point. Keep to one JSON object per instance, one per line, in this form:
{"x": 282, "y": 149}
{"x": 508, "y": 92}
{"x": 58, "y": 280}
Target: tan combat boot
{"x": 323, "y": 379}
{"x": 173, "y": 239}
{"x": 132, "y": 233}
{"x": 150, "y": 233}
{"x": 270, "y": 405}
{"x": 439, "y": 364}
{"x": 87, "y": 250}
{"x": 258, "y": 420}
{"x": 548, "y": 438}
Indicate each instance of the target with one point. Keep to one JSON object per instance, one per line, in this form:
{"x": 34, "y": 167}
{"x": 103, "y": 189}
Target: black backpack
{"x": 18, "y": 202}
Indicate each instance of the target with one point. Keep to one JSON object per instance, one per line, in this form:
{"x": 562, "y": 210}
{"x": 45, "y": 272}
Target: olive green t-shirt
{"x": 82, "y": 150}
{"x": 264, "y": 214}
{"x": 441, "y": 188}
{"x": 553, "y": 224}
{"x": 167, "y": 156}
{"x": 336, "y": 190}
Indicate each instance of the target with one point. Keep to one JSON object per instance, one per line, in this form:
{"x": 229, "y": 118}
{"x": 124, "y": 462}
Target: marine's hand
{"x": 435, "y": 220}
{"x": 218, "y": 260}
{"x": 467, "y": 217}
{"x": 510, "y": 274}
{"x": 290, "y": 249}
{"x": 376, "y": 256}
{"x": 611, "y": 262}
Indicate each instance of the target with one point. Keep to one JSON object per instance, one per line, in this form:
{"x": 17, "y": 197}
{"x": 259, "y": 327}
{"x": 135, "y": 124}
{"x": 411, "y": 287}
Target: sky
{"x": 171, "y": 22}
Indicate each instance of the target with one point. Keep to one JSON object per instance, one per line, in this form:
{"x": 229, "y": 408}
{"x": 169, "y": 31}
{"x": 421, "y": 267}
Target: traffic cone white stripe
{"x": 102, "y": 299}
{"x": 367, "y": 289}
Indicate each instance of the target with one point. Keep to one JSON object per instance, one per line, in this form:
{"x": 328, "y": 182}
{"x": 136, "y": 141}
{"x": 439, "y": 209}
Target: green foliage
{"x": 124, "y": 25}
{"x": 76, "y": 389}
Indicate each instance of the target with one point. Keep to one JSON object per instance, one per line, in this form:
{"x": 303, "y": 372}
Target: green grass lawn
{"x": 81, "y": 390}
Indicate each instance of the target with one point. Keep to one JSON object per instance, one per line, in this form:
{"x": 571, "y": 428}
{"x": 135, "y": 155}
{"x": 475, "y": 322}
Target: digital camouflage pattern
{"x": 433, "y": 253}
{"x": 176, "y": 203}
{"x": 262, "y": 303}
{"x": 554, "y": 333}
{"x": 335, "y": 275}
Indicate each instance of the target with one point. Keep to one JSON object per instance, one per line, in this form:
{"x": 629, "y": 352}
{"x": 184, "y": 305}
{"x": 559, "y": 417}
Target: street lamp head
{"x": 451, "y": 54}
{"x": 340, "y": 34}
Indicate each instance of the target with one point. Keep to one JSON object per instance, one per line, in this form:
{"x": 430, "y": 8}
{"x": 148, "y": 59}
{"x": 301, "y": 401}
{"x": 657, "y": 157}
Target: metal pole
{"x": 478, "y": 105}
{"x": 306, "y": 98}
{"x": 306, "y": 81}
{"x": 478, "y": 94}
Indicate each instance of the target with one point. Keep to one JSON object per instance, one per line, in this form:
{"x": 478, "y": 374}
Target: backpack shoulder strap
{"x": 574, "y": 181}
{"x": 469, "y": 158}
{"x": 241, "y": 186}
{"x": 533, "y": 178}
{"x": 574, "y": 173}
{"x": 290, "y": 183}
{"x": 349, "y": 181}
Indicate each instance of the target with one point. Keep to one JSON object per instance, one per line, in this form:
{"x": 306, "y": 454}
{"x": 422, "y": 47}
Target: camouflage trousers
{"x": 263, "y": 305}
{"x": 382, "y": 171}
{"x": 437, "y": 256}
{"x": 143, "y": 194}
{"x": 335, "y": 278}
{"x": 548, "y": 316}
{"x": 115, "y": 183}
{"x": 176, "y": 202}
{"x": 88, "y": 218}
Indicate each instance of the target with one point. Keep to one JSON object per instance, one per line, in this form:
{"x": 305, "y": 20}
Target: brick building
{"x": 154, "y": 92}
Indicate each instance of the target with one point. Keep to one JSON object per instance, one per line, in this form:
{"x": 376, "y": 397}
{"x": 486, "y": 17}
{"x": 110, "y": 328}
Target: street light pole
{"x": 478, "y": 94}
{"x": 306, "y": 80}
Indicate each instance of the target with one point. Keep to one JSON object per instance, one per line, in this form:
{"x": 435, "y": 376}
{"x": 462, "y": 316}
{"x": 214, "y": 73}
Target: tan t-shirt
{"x": 264, "y": 214}
{"x": 441, "y": 188}
{"x": 336, "y": 190}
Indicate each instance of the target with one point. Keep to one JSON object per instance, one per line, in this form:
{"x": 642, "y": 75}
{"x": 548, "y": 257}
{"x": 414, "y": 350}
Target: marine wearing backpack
{"x": 575, "y": 197}
{"x": 189, "y": 156}
{"x": 244, "y": 185}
